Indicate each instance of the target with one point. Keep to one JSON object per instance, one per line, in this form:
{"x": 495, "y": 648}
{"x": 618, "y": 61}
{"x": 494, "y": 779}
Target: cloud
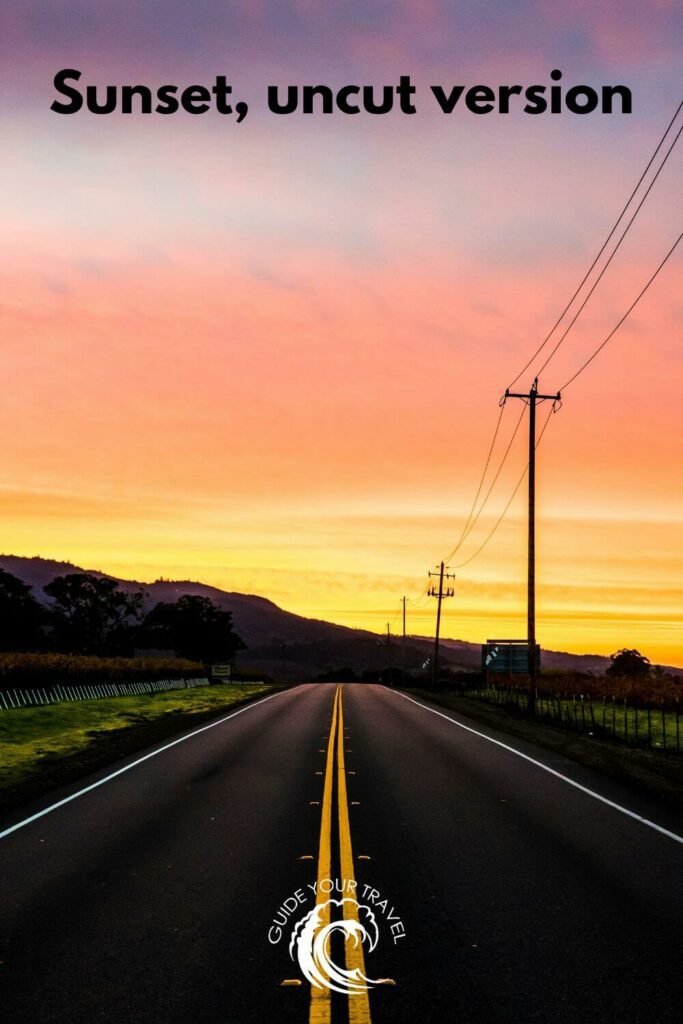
{"x": 338, "y": 38}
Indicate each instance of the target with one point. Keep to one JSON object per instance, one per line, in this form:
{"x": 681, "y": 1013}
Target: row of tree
{"x": 87, "y": 614}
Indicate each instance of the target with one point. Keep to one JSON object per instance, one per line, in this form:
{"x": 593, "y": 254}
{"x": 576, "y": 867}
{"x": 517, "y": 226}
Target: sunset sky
{"x": 269, "y": 355}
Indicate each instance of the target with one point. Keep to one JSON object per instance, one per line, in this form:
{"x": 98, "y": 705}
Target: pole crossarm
{"x": 539, "y": 397}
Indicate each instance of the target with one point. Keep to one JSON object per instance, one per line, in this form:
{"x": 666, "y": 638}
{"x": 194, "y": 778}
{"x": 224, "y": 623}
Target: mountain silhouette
{"x": 311, "y": 646}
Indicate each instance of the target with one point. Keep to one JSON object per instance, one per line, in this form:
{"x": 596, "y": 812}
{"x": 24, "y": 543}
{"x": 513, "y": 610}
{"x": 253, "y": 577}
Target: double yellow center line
{"x": 359, "y": 1003}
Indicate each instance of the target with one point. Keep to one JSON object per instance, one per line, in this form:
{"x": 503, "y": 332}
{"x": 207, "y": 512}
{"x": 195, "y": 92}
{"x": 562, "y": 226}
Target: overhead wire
{"x": 470, "y": 525}
{"x": 511, "y": 499}
{"x": 419, "y": 602}
{"x": 482, "y": 477}
{"x": 612, "y": 255}
{"x": 473, "y": 515}
{"x": 602, "y": 248}
{"x": 624, "y": 317}
{"x": 472, "y": 519}
{"x": 564, "y": 387}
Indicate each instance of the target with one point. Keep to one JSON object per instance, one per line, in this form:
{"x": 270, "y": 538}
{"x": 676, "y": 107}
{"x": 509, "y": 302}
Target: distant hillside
{"x": 311, "y": 645}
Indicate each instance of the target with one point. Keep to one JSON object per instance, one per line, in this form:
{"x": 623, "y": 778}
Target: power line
{"x": 602, "y": 249}
{"x": 473, "y": 517}
{"x": 467, "y": 532}
{"x": 626, "y": 314}
{"x": 602, "y": 345}
{"x": 563, "y": 388}
{"x": 481, "y": 479}
{"x": 612, "y": 255}
{"x": 511, "y": 499}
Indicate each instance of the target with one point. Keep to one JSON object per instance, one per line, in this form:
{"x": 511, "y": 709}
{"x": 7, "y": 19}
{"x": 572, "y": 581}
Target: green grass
{"x": 632, "y": 725}
{"x": 52, "y": 743}
{"x": 658, "y": 729}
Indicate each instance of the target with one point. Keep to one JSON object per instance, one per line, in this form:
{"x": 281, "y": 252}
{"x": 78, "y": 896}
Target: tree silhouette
{"x": 194, "y": 627}
{"x": 92, "y": 615}
{"x": 630, "y": 663}
{"x": 21, "y": 616}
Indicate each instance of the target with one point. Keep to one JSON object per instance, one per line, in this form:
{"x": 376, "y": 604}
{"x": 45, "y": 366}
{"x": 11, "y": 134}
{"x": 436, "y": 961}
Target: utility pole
{"x": 390, "y": 656}
{"x": 403, "y": 649}
{"x": 443, "y": 574}
{"x": 531, "y": 399}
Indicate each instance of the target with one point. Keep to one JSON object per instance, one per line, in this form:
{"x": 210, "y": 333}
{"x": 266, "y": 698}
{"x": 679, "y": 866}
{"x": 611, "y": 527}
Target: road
{"x": 503, "y": 891}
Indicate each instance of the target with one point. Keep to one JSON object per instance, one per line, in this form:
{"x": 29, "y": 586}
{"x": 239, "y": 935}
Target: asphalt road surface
{"x": 501, "y": 891}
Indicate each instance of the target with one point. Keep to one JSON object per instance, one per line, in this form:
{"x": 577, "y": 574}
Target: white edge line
{"x": 546, "y": 768}
{"x": 127, "y": 767}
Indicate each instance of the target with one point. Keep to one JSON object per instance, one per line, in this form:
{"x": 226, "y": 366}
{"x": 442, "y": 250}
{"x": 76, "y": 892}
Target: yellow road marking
{"x": 359, "y": 1003}
{"x": 320, "y": 1011}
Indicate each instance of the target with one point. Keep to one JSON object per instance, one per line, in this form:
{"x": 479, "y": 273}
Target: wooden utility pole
{"x": 443, "y": 574}
{"x": 390, "y": 656}
{"x": 403, "y": 649}
{"x": 531, "y": 399}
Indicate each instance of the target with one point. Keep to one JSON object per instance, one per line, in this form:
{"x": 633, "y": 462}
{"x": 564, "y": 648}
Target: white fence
{"x": 23, "y": 698}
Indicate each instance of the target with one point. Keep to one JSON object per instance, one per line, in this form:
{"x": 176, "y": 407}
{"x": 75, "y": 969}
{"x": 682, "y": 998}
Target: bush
{"x": 18, "y": 670}
{"x": 659, "y": 688}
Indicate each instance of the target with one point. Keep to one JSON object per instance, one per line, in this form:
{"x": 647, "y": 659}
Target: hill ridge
{"x": 275, "y": 636}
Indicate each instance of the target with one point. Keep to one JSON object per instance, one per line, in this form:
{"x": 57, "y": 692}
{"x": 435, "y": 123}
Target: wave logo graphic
{"x": 310, "y": 945}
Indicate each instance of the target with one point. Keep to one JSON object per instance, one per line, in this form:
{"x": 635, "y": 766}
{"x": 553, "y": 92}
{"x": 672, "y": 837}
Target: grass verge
{"x": 45, "y": 747}
{"x": 658, "y": 773}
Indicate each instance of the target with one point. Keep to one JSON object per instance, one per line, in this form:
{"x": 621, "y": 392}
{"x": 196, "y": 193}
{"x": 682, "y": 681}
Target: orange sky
{"x": 270, "y": 358}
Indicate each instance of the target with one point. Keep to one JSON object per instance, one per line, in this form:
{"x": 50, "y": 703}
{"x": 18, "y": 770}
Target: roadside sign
{"x": 223, "y": 671}
{"x": 509, "y": 657}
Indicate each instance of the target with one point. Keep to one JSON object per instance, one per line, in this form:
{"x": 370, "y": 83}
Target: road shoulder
{"x": 99, "y": 748}
{"x": 654, "y": 773}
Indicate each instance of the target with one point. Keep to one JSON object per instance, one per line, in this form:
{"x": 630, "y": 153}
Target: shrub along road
{"x": 530, "y": 889}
